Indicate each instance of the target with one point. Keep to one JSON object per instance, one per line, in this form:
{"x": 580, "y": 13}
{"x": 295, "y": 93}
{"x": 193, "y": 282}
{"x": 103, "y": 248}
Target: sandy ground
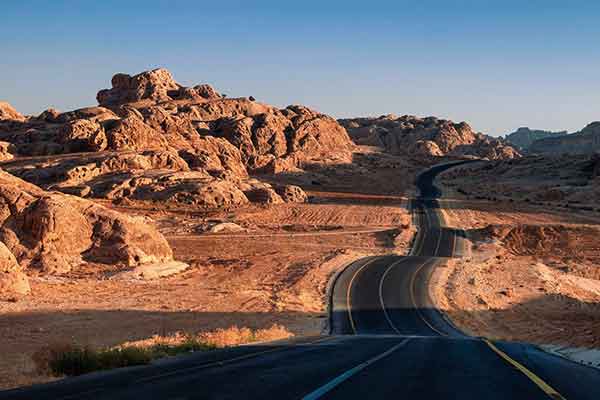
{"x": 274, "y": 271}
{"x": 533, "y": 275}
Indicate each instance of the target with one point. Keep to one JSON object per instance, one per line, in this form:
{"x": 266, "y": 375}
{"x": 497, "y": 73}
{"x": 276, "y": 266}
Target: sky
{"x": 498, "y": 65}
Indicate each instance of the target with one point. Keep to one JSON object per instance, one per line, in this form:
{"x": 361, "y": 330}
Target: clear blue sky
{"x": 496, "y": 64}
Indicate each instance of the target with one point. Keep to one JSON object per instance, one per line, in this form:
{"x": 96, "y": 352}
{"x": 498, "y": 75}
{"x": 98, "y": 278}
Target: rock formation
{"x": 522, "y": 138}
{"x": 13, "y": 281}
{"x": 563, "y": 180}
{"x": 586, "y": 141}
{"x": 8, "y": 113}
{"x": 428, "y": 137}
{"x": 54, "y": 232}
{"x": 154, "y": 139}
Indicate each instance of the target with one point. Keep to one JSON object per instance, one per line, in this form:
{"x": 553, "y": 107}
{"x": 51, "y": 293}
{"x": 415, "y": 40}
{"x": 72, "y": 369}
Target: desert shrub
{"x": 72, "y": 359}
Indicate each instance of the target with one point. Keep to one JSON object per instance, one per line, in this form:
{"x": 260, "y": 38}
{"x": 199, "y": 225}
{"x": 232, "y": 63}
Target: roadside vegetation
{"x": 71, "y": 359}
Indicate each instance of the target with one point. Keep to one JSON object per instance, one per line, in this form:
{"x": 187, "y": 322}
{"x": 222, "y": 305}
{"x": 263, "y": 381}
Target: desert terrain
{"x": 531, "y": 273}
{"x": 168, "y": 209}
{"x": 231, "y": 237}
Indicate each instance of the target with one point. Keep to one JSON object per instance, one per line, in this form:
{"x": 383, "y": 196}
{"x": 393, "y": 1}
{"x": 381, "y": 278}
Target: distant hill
{"x": 426, "y": 137}
{"x": 522, "y": 138}
{"x": 586, "y": 141}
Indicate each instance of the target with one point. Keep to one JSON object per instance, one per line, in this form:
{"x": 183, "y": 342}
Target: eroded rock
{"x": 54, "y": 232}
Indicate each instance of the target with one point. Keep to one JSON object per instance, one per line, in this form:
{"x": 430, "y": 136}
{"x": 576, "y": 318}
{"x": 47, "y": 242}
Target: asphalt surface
{"x": 387, "y": 341}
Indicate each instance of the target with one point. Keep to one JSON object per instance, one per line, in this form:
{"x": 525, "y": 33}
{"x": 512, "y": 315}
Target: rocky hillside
{"x": 566, "y": 181}
{"x": 585, "y": 141}
{"x": 522, "y": 138}
{"x": 426, "y": 137}
{"x": 153, "y": 139}
{"x": 50, "y": 232}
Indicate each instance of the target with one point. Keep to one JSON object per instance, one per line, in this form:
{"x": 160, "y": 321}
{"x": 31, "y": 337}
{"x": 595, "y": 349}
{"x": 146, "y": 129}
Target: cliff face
{"x": 586, "y": 141}
{"x": 522, "y": 138}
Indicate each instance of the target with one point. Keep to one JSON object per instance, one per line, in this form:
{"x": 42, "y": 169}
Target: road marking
{"x": 346, "y": 375}
{"x": 419, "y": 238}
{"x": 437, "y": 248}
{"x": 549, "y": 390}
{"x": 412, "y": 296}
{"x": 228, "y": 361}
{"x": 389, "y": 320}
{"x": 425, "y": 208}
{"x": 348, "y": 306}
{"x": 454, "y": 234}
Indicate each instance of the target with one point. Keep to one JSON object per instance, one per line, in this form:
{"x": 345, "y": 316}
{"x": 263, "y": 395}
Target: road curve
{"x": 388, "y": 341}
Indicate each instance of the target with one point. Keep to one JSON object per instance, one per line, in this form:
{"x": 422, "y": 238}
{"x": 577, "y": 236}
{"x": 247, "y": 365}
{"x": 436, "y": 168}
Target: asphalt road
{"x": 387, "y": 341}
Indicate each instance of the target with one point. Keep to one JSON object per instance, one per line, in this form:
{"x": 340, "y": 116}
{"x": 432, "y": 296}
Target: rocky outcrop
{"x": 157, "y": 85}
{"x": 586, "y": 141}
{"x": 6, "y": 151}
{"x": 522, "y": 138}
{"x": 291, "y": 193}
{"x": 13, "y": 281}
{"x": 8, "y": 113}
{"x": 54, "y": 232}
{"x": 426, "y": 137}
{"x": 162, "y": 141}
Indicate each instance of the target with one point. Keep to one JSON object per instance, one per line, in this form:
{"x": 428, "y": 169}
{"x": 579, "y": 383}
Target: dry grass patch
{"x": 73, "y": 359}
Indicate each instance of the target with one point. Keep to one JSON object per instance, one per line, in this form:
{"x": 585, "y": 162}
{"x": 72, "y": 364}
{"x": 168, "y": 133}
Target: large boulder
{"x": 13, "y": 281}
{"x": 291, "y": 193}
{"x": 153, "y": 85}
{"x": 8, "y": 113}
{"x": 156, "y": 85}
{"x": 82, "y": 135}
{"x": 6, "y": 151}
{"x": 54, "y": 232}
{"x": 131, "y": 133}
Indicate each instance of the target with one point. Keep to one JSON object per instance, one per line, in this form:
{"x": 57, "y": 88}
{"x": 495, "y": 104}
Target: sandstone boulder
{"x": 131, "y": 133}
{"x": 82, "y": 135}
{"x": 215, "y": 155}
{"x": 8, "y": 113}
{"x": 291, "y": 193}
{"x": 54, "y": 232}
{"x": 153, "y": 85}
{"x": 265, "y": 195}
{"x": 157, "y": 85}
{"x": 6, "y": 151}
{"x": 13, "y": 281}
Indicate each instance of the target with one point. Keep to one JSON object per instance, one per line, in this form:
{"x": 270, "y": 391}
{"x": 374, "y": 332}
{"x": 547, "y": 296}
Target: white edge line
{"x": 387, "y": 317}
{"x": 348, "y": 293}
{"x": 346, "y": 375}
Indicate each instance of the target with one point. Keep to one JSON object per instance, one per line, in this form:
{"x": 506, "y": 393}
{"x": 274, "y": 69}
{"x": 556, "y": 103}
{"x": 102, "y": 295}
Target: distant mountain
{"x": 585, "y": 141}
{"x": 524, "y": 137}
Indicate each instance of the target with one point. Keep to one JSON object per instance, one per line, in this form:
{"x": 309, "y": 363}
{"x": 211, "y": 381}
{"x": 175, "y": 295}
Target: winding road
{"x": 387, "y": 341}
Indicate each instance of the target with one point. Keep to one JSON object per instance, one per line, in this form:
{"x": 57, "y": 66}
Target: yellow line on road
{"x": 348, "y": 305}
{"x": 549, "y": 390}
